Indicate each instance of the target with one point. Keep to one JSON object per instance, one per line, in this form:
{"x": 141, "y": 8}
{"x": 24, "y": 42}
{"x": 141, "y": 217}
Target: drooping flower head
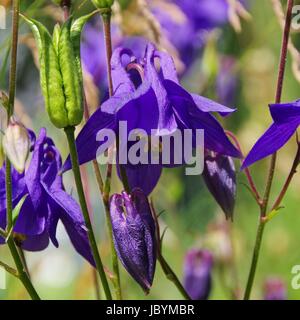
{"x": 151, "y": 99}
{"x": 220, "y": 178}
{"x": 134, "y": 235}
{"x": 197, "y": 273}
{"x": 46, "y": 202}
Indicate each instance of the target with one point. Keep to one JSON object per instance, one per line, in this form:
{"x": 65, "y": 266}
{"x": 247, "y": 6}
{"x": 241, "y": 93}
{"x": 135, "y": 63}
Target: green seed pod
{"x": 50, "y": 75}
{"x": 60, "y": 70}
{"x": 70, "y": 75}
{"x": 103, "y": 4}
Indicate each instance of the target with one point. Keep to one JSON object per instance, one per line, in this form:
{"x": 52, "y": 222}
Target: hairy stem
{"x": 77, "y": 176}
{"x": 264, "y": 206}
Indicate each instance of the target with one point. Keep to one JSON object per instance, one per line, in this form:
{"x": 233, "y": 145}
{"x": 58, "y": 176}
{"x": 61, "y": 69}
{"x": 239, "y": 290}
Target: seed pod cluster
{"x": 60, "y": 70}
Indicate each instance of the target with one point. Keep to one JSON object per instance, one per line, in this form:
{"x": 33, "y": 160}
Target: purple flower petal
{"x": 136, "y": 176}
{"x": 271, "y": 141}
{"x": 36, "y": 243}
{"x": 70, "y": 214}
{"x": 285, "y": 112}
{"x": 86, "y": 143}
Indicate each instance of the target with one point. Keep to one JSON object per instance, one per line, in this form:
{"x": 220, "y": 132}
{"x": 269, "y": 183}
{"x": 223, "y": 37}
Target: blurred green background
{"x": 191, "y": 215}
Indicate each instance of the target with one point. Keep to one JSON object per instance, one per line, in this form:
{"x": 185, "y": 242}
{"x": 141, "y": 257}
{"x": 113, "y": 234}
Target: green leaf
{"x": 272, "y": 214}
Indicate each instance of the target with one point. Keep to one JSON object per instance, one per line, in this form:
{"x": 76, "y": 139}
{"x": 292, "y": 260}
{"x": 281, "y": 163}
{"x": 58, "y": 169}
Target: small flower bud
{"x": 220, "y": 178}
{"x": 197, "y": 273}
{"x": 16, "y": 144}
{"x": 134, "y": 235}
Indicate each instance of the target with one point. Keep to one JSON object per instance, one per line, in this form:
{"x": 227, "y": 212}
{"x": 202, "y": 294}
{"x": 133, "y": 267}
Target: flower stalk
{"x": 265, "y": 202}
{"x": 106, "y": 20}
{"x": 77, "y": 176}
{"x": 8, "y": 180}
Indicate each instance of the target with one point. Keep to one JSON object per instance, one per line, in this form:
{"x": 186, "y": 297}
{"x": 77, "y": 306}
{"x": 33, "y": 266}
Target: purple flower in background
{"x": 286, "y": 120}
{"x": 220, "y": 178}
{"x": 275, "y": 289}
{"x": 134, "y": 235}
{"x": 205, "y": 14}
{"x": 46, "y": 202}
{"x": 151, "y": 99}
{"x": 196, "y": 18}
{"x": 227, "y": 81}
{"x": 197, "y": 273}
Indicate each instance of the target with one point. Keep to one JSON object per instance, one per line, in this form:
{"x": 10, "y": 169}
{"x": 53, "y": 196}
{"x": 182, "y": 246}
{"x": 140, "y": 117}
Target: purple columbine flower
{"x": 150, "y": 100}
{"x": 220, "y": 178}
{"x": 274, "y": 289}
{"x": 197, "y": 273}
{"x": 286, "y": 120}
{"x": 134, "y": 235}
{"x": 46, "y": 202}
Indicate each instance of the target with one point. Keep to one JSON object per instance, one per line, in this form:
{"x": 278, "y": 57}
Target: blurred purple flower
{"x": 197, "y": 273}
{"x": 286, "y": 120}
{"x": 274, "y": 289}
{"x": 226, "y": 83}
{"x": 152, "y": 100}
{"x": 220, "y": 178}
{"x": 199, "y": 17}
{"x": 46, "y": 202}
{"x": 134, "y": 235}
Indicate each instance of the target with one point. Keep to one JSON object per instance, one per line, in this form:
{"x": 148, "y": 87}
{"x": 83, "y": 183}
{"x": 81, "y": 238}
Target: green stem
{"x": 77, "y": 176}
{"x": 264, "y": 206}
{"x": 21, "y": 270}
{"x": 106, "y": 19}
{"x": 13, "y": 64}
{"x": 255, "y": 257}
{"x": 170, "y": 274}
{"x": 8, "y": 180}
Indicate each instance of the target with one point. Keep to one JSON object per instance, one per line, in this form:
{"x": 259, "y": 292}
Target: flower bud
{"x": 274, "y": 289}
{"x": 16, "y": 144}
{"x": 220, "y": 178}
{"x": 197, "y": 273}
{"x": 134, "y": 235}
{"x": 102, "y": 4}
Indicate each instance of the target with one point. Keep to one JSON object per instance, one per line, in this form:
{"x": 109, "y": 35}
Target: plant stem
{"x": 247, "y": 171}
{"x": 21, "y": 271}
{"x": 8, "y": 180}
{"x": 288, "y": 180}
{"x": 255, "y": 257}
{"x": 77, "y": 176}
{"x": 13, "y": 63}
{"x": 106, "y": 19}
{"x": 170, "y": 274}
{"x": 264, "y": 206}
